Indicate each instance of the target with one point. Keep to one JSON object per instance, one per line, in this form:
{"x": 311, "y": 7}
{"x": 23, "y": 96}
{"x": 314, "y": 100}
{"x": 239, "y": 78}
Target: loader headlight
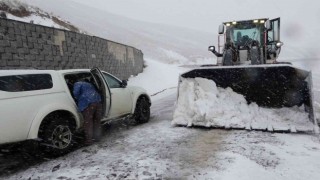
{"x": 255, "y": 21}
{"x": 234, "y": 22}
{"x": 279, "y": 44}
{"x": 211, "y": 48}
{"x": 262, "y": 21}
{"x": 228, "y": 24}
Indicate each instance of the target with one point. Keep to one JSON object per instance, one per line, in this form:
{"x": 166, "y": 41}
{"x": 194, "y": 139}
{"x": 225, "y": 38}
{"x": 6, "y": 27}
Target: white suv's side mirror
{"x": 221, "y": 29}
{"x": 268, "y": 25}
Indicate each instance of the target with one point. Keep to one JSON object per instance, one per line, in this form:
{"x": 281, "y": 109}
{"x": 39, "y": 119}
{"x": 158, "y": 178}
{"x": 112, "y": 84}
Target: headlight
{"x": 211, "y": 48}
{"x": 279, "y": 44}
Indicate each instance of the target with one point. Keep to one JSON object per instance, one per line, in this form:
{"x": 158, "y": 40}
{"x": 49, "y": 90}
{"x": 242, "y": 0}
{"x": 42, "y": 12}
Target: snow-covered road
{"x": 157, "y": 150}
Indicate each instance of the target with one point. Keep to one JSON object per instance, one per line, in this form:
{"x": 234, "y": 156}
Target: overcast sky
{"x": 199, "y": 14}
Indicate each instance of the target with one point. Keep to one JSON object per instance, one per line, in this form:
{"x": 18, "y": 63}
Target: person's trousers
{"x": 92, "y": 122}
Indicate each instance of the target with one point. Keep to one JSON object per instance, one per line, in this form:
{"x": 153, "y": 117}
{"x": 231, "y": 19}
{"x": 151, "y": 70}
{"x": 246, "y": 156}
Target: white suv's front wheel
{"x": 142, "y": 111}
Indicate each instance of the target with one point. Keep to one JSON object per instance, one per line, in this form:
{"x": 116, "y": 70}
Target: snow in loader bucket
{"x": 276, "y": 98}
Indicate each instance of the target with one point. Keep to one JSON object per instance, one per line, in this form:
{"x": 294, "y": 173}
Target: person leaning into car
{"x": 89, "y": 103}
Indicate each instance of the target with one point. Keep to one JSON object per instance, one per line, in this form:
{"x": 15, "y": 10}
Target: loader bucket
{"x": 270, "y": 86}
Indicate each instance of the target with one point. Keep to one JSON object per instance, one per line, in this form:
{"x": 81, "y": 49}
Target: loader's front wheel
{"x": 228, "y": 58}
{"x": 255, "y": 56}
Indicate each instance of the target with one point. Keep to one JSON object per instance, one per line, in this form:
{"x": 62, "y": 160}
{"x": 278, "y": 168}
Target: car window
{"x": 75, "y": 77}
{"x": 112, "y": 82}
{"x": 30, "y": 82}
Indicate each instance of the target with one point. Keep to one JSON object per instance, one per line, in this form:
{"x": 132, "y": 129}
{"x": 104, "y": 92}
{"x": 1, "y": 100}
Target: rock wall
{"x": 30, "y": 46}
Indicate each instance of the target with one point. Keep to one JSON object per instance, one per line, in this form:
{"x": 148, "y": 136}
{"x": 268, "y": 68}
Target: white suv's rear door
{"x": 104, "y": 89}
{"x": 21, "y": 98}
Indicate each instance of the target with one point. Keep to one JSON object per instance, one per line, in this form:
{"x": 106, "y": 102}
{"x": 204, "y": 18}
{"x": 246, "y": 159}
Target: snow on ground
{"x": 287, "y": 156}
{"x": 157, "y": 150}
{"x": 174, "y": 57}
{"x": 158, "y": 78}
{"x": 202, "y": 103}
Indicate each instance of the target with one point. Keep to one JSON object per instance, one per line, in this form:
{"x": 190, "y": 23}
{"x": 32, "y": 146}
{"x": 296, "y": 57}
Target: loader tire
{"x": 228, "y": 58}
{"x": 255, "y": 56}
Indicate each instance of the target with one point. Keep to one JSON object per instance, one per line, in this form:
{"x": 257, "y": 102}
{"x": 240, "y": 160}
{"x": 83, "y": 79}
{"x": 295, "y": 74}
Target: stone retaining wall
{"x": 30, "y": 46}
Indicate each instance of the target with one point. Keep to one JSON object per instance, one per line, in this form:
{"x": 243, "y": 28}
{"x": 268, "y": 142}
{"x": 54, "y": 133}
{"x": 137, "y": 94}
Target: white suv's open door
{"x": 104, "y": 90}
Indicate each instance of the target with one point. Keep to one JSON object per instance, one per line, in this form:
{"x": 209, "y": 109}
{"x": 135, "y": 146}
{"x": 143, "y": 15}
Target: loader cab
{"x": 248, "y": 42}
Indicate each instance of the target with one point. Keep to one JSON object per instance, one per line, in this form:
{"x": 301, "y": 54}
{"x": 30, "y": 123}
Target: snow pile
{"x": 174, "y": 57}
{"x": 20, "y": 11}
{"x": 157, "y": 78}
{"x": 37, "y": 20}
{"x": 202, "y": 103}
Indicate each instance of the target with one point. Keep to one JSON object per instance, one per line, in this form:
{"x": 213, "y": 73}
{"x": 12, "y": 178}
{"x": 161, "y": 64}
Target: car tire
{"x": 142, "y": 111}
{"x": 57, "y": 135}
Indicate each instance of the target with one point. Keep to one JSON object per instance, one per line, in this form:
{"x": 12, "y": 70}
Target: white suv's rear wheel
{"x": 61, "y": 137}
{"x": 57, "y": 135}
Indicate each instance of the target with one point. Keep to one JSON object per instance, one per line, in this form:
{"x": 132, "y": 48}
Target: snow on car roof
{"x": 73, "y": 70}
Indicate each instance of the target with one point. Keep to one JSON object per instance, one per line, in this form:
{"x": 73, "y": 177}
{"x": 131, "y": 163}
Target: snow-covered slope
{"x": 298, "y": 22}
{"x": 158, "y": 41}
{"x": 17, "y": 10}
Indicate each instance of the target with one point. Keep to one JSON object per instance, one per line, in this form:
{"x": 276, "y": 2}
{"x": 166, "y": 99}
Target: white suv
{"x": 38, "y": 104}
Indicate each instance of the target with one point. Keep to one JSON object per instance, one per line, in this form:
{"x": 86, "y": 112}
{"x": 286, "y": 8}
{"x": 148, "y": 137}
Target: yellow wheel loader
{"x": 247, "y": 63}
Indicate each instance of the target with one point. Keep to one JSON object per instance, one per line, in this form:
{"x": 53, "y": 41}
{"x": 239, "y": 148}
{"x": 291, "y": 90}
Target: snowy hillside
{"x": 20, "y": 11}
{"x": 158, "y": 41}
{"x": 298, "y": 21}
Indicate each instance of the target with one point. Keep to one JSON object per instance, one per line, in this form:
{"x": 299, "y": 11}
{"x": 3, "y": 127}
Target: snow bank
{"x": 44, "y": 21}
{"x": 202, "y": 103}
{"x": 174, "y": 57}
{"x": 157, "y": 78}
